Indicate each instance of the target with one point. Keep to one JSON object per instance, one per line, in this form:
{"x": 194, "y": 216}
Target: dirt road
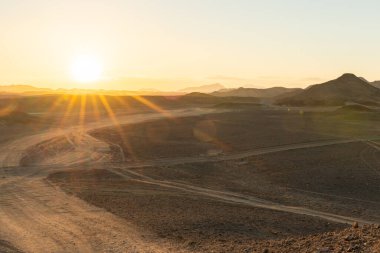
{"x": 35, "y": 217}
{"x": 12, "y": 152}
{"x": 38, "y": 217}
{"x": 238, "y": 198}
{"x": 238, "y": 155}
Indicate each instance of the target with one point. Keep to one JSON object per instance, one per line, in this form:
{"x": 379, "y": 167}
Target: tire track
{"x": 238, "y": 198}
{"x": 38, "y": 217}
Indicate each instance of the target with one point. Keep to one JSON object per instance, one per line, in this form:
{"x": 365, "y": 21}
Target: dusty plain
{"x": 219, "y": 177}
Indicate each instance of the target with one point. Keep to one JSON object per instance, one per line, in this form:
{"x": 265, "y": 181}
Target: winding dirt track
{"x": 11, "y": 153}
{"x": 38, "y": 217}
{"x": 238, "y": 198}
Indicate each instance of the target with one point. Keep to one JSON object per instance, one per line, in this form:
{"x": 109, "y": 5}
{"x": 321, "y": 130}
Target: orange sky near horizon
{"x": 169, "y": 45}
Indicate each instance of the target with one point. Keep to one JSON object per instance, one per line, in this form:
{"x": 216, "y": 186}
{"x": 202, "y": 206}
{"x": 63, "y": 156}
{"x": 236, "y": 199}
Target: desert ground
{"x": 191, "y": 176}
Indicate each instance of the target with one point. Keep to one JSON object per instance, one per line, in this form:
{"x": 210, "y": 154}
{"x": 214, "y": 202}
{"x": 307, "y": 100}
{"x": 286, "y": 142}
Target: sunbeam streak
{"x": 153, "y": 106}
{"x": 82, "y": 113}
{"x": 115, "y": 121}
{"x": 68, "y": 110}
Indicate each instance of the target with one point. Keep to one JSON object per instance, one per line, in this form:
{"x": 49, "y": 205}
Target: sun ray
{"x": 205, "y": 131}
{"x": 82, "y": 113}
{"x": 123, "y": 102}
{"x": 153, "y": 106}
{"x": 114, "y": 119}
{"x": 95, "y": 107}
{"x": 68, "y": 110}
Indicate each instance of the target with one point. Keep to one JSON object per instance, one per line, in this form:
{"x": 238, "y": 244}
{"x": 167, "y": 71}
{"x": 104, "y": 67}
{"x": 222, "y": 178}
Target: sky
{"x": 172, "y": 44}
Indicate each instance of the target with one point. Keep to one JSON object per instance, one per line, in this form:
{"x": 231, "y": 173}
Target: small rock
{"x": 274, "y": 232}
{"x": 355, "y": 224}
{"x": 349, "y": 238}
{"x": 192, "y": 244}
{"x": 353, "y": 248}
{"x": 324, "y": 250}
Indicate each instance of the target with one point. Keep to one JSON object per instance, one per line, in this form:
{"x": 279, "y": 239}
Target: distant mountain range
{"x": 204, "y": 88}
{"x": 345, "y": 89}
{"x": 9, "y": 90}
{"x": 253, "y": 92}
{"x": 28, "y": 90}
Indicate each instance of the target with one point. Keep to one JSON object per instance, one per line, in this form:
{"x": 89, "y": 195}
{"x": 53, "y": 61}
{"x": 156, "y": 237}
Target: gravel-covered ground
{"x": 339, "y": 179}
{"x": 342, "y": 179}
{"x": 185, "y": 220}
{"x": 364, "y": 240}
{"x": 234, "y": 131}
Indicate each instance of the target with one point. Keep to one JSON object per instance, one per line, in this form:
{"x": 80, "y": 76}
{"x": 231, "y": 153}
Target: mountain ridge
{"x": 208, "y": 88}
{"x": 255, "y": 92}
{"x": 346, "y": 88}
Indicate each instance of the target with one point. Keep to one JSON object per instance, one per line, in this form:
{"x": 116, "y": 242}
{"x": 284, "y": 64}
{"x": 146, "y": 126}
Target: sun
{"x": 86, "y": 68}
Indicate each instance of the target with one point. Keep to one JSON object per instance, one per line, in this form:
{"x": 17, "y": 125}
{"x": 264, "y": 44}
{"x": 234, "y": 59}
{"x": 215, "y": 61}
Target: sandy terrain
{"x": 166, "y": 201}
{"x": 33, "y": 211}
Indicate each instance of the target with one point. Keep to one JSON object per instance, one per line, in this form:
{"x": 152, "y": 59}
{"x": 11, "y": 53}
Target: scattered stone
{"x": 192, "y": 244}
{"x": 324, "y": 250}
{"x": 274, "y": 232}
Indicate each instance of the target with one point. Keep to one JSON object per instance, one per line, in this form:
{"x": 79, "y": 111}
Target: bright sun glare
{"x": 86, "y": 69}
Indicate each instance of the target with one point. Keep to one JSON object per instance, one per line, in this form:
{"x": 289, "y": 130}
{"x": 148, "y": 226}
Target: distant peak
{"x": 348, "y": 76}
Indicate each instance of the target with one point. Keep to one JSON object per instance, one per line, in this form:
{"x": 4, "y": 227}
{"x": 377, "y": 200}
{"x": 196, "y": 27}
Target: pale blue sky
{"x": 169, "y": 44}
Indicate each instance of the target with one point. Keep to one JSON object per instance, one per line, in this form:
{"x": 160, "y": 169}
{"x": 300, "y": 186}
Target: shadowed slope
{"x": 347, "y": 88}
{"x": 376, "y": 84}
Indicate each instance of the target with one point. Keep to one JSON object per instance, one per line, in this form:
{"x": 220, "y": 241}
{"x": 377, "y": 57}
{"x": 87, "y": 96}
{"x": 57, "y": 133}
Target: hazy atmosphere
{"x": 189, "y": 126}
{"x": 170, "y": 44}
